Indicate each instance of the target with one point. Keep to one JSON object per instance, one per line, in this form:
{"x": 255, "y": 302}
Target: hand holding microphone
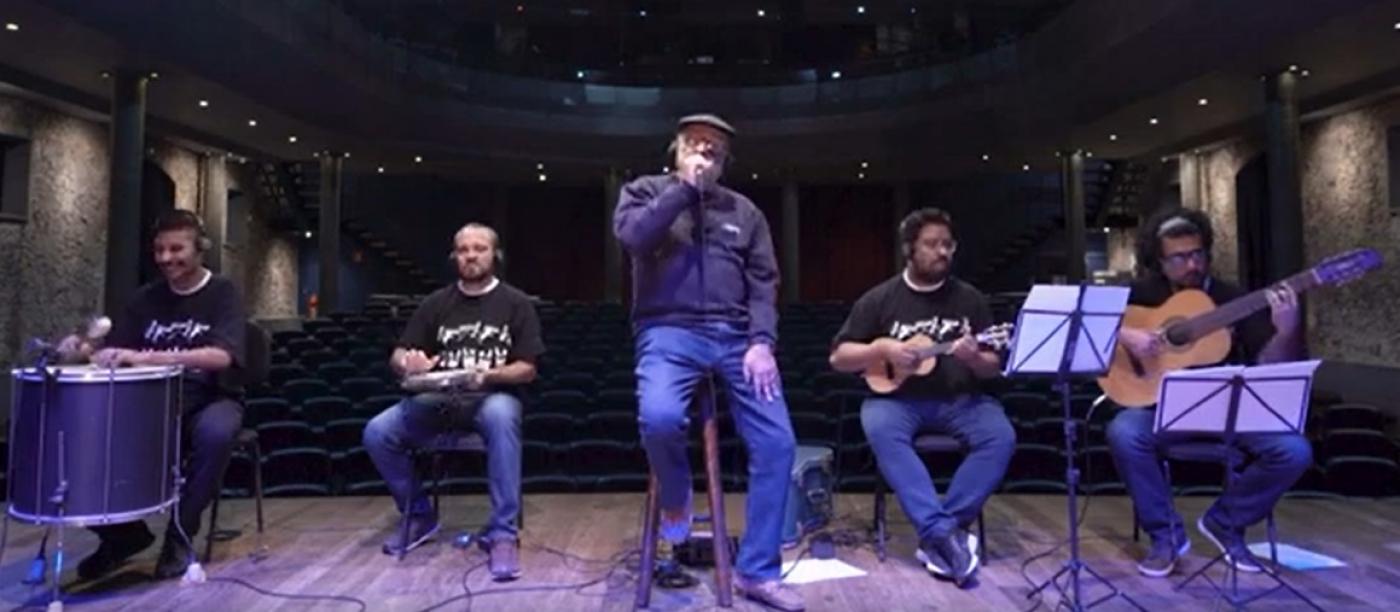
{"x": 698, "y": 170}
{"x": 76, "y": 347}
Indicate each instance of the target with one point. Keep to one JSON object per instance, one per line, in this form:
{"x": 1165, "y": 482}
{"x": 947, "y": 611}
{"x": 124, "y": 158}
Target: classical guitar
{"x": 1194, "y": 331}
{"x": 886, "y": 377}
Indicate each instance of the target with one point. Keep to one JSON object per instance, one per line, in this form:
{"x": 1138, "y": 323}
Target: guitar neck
{"x": 1239, "y": 308}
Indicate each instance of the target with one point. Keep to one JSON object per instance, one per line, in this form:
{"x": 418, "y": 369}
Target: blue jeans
{"x": 412, "y": 423}
{"x": 1277, "y": 462}
{"x": 978, "y": 421}
{"x": 670, "y": 364}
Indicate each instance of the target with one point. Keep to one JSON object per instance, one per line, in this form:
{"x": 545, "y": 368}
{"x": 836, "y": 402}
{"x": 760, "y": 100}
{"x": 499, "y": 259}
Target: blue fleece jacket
{"x": 655, "y": 222}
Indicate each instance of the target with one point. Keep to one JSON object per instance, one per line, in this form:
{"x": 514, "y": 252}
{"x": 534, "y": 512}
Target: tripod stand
{"x": 1056, "y": 335}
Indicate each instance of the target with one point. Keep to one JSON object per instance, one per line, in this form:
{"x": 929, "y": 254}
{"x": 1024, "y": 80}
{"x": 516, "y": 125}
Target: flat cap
{"x": 706, "y": 119}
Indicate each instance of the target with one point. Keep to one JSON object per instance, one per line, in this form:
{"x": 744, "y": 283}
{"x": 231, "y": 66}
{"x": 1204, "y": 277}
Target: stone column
{"x": 128, "y": 137}
{"x": 1072, "y": 188}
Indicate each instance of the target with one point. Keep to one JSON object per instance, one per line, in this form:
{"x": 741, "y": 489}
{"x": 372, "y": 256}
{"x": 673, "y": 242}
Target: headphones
{"x": 914, "y": 221}
{"x": 498, "y": 254}
{"x": 184, "y": 218}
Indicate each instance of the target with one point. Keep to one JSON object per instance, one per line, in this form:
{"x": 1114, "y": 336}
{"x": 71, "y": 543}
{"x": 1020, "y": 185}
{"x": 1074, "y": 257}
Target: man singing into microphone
{"x": 191, "y": 318}
{"x": 685, "y": 232}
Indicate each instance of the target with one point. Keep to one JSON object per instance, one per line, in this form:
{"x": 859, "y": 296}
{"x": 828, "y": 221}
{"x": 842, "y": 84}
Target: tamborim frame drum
{"x": 92, "y": 446}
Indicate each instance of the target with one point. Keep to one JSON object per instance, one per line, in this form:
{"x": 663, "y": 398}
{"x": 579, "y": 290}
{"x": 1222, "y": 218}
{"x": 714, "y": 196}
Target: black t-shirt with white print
{"x": 159, "y": 319}
{"x": 484, "y": 331}
{"x": 894, "y": 309}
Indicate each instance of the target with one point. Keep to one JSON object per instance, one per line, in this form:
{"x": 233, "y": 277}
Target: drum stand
{"x": 59, "y": 499}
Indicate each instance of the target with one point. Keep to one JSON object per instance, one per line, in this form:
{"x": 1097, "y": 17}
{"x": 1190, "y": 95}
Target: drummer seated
{"x": 489, "y": 334}
{"x": 194, "y": 319}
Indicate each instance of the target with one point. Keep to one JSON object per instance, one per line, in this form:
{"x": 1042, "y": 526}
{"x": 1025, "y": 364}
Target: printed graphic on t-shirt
{"x": 938, "y": 329}
{"x": 176, "y": 333}
{"x": 474, "y": 345}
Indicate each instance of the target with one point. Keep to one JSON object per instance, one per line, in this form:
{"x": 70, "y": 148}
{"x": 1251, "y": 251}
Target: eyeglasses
{"x": 1180, "y": 259}
{"x": 695, "y": 142}
{"x": 940, "y": 245}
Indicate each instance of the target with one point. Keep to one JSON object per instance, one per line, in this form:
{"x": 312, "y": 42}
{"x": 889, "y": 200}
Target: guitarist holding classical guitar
{"x": 1173, "y": 254}
{"x": 891, "y": 330}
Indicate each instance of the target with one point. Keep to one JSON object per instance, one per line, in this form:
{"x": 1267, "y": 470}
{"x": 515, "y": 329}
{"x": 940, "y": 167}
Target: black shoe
{"x": 421, "y": 529}
{"x": 175, "y": 556}
{"x": 112, "y": 552}
{"x": 1230, "y": 542}
{"x": 949, "y": 556}
{"x": 1162, "y": 558}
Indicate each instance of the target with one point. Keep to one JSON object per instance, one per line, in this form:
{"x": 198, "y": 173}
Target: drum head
{"x": 88, "y": 373}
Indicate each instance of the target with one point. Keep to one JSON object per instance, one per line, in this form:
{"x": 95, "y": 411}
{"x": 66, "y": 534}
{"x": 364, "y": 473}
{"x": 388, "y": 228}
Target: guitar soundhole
{"x": 1177, "y": 333}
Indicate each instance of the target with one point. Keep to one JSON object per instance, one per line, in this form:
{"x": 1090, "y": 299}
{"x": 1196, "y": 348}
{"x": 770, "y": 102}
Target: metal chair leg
{"x": 651, "y": 514}
{"x": 880, "y": 518}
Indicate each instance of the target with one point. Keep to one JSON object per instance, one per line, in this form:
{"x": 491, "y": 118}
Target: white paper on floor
{"x": 815, "y": 570}
{"x": 1292, "y": 557}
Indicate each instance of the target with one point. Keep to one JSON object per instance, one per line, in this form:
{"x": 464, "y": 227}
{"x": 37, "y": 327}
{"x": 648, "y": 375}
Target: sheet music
{"x": 1043, "y": 329}
{"x": 1273, "y": 400}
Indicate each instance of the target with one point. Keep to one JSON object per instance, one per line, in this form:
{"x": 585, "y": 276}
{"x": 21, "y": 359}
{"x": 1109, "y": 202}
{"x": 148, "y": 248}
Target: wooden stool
{"x": 724, "y": 570}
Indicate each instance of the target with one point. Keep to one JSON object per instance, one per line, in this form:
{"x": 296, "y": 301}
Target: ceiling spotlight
{"x": 1025, "y": 167}
{"x": 539, "y": 166}
{"x": 379, "y": 169}
{"x": 347, "y": 155}
{"x": 1292, "y": 67}
{"x": 12, "y": 26}
{"x": 315, "y": 153}
{"x": 579, "y": 74}
{"x": 861, "y": 176}
{"x": 860, "y": 10}
{"x": 986, "y": 157}
{"x": 308, "y": 233}
{"x": 1113, "y": 137}
{"x": 1202, "y": 102}
{"x": 1305, "y": 74}
{"x": 754, "y": 176}
{"x": 543, "y": 177}
{"x": 252, "y": 123}
{"x": 1088, "y": 154}
{"x": 1397, "y": 25}
{"x": 642, "y": 13}
{"x": 105, "y": 74}
{"x": 417, "y": 159}
{"x": 835, "y": 74}
{"x": 913, "y": 10}
{"x": 762, "y": 13}
{"x": 665, "y": 169}
{"x": 1105, "y": 230}
{"x": 519, "y": 8}
{"x": 864, "y": 165}
{"x": 292, "y": 139}
{"x": 204, "y": 104}
{"x": 155, "y": 75}
{"x": 1152, "y": 121}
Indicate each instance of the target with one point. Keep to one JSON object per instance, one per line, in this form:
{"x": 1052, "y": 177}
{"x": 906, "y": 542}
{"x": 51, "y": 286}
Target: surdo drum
{"x": 91, "y": 445}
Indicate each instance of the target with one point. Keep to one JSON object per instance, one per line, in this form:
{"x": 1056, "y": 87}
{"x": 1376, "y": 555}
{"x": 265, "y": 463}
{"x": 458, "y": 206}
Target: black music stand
{"x": 1069, "y": 331}
{"x": 1225, "y": 402}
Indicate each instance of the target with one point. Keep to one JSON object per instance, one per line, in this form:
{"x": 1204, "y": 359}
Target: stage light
{"x": 1152, "y": 121}
{"x": 1202, "y": 102}
{"x": 543, "y": 177}
{"x": 252, "y": 123}
{"x": 308, "y": 234}
{"x": 12, "y": 26}
{"x": 1025, "y": 167}
{"x": 417, "y": 159}
{"x": 539, "y": 166}
{"x": 292, "y": 139}
{"x": 762, "y": 13}
{"x": 861, "y": 176}
{"x": 986, "y": 157}
{"x": 204, "y": 104}
{"x": 835, "y": 74}
{"x": 860, "y": 10}
{"x": 379, "y": 169}
{"x": 864, "y": 165}
{"x": 1113, "y": 137}
{"x": 754, "y": 176}
{"x": 579, "y": 74}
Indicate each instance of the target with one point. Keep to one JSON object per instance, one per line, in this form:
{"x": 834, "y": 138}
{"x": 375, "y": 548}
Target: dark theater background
{"x": 333, "y": 148}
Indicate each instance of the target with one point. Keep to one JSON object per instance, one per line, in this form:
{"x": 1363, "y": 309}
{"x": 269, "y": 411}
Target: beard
{"x": 931, "y": 273}
{"x": 474, "y": 273}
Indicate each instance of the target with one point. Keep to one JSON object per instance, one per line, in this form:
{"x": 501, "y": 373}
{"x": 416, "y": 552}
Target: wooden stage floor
{"x": 330, "y": 546}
